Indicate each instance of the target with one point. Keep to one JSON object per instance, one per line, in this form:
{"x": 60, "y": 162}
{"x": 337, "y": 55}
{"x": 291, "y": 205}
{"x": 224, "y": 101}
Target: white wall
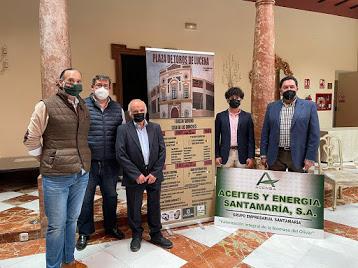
{"x": 315, "y": 45}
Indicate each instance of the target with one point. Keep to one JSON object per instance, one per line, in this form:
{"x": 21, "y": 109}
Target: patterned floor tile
{"x": 19, "y": 200}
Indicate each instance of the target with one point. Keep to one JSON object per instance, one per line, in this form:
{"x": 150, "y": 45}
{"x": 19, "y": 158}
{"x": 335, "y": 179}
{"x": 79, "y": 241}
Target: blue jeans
{"x": 63, "y": 196}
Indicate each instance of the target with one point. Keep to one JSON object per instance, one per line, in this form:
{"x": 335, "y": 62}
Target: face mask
{"x": 289, "y": 94}
{"x": 73, "y": 90}
{"x": 234, "y": 103}
{"x": 101, "y": 93}
{"x": 138, "y": 117}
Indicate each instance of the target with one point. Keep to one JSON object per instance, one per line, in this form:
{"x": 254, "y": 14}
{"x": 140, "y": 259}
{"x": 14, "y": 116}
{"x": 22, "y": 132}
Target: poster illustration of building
{"x": 180, "y": 83}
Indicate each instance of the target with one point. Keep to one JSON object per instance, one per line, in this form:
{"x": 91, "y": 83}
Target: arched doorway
{"x": 174, "y": 113}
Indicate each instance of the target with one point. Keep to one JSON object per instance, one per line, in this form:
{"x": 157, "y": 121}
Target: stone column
{"x": 55, "y": 56}
{"x": 54, "y": 43}
{"x": 263, "y": 77}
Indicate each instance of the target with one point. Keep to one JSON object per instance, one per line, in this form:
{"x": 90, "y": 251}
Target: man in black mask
{"x": 290, "y": 134}
{"x": 140, "y": 150}
{"x": 234, "y": 133}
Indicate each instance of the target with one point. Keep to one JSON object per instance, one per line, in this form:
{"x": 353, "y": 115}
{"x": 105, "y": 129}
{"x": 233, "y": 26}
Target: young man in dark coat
{"x": 234, "y": 133}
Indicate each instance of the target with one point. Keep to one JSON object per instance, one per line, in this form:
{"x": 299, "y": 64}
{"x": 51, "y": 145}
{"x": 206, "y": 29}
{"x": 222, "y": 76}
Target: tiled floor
{"x": 195, "y": 246}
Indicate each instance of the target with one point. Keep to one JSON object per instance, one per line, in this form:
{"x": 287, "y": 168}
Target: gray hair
{"x": 133, "y": 101}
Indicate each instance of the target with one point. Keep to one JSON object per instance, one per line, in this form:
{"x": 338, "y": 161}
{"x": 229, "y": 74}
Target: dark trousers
{"x": 284, "y": 161}
{"x": 134, "y": 205}
{"x": 105, "y": 174}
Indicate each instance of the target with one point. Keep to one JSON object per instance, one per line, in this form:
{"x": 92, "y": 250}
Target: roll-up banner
{"x": 181, "y": 100}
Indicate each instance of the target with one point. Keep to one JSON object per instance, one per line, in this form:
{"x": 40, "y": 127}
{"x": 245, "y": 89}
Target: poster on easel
{"x": 181, "y": 100}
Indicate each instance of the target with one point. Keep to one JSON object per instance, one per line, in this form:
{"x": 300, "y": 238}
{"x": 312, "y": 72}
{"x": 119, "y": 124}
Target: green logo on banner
{"x": 267, "y": 181}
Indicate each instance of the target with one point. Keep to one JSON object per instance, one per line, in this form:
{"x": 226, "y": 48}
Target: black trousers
{"x": 134, "y": 205}
{"x": 105, "y": 174}
{"x": 284, "y": 161}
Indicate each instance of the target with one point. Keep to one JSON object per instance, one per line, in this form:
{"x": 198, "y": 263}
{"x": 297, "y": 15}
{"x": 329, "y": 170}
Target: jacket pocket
{"x": 48, "y": 157}
{"x": 65, "y": 157}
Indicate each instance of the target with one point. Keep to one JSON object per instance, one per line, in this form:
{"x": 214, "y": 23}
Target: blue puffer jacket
{"x": 103, "y": 129}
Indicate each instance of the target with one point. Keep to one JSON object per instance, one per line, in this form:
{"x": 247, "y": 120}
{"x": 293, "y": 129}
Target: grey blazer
{"x": 129, "y": 153}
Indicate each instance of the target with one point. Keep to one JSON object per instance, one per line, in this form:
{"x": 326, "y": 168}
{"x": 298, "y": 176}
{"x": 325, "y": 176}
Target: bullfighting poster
{"x": 181, "y": 100}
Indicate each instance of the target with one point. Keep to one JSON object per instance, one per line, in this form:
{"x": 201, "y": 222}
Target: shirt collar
{"x": 234, "y": 114}
{"x": 137, "y": 126}
{"x": 292, "y": 104}
{"x": 75, "y": 102}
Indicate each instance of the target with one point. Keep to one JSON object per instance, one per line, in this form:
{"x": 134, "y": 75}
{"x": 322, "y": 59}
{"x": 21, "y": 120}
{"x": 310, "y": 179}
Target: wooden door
{"x": 346, "y": 114}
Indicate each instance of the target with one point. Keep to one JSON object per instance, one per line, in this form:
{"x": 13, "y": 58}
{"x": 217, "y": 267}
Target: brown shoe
{"x": 74, "y": 264}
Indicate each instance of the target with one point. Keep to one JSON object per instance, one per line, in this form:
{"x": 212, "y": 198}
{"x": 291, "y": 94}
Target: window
{"x": 174, "y": 89}
{"x": 197, "y": 100}
{"x": 209, "y": 102}
{"x": 154, "y": 106}
{"x": 198, "y": 83}
{"x": 186, "y": 91}
{"x": 174, "y": 93}
{"x": 209, "y": 86}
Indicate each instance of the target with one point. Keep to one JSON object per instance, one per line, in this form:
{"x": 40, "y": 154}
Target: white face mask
{"x": 101, "y": 93}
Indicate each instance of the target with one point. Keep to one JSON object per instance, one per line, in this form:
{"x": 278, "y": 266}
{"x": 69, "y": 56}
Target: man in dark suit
{"x": 234, "y": 133}
{"x": 140, "y": 150}
{"x": 290, "y": 134}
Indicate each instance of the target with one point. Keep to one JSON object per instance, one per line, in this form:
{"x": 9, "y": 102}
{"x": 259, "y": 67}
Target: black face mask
{"x": 138, "y": 117}
{"x": 289, "y": 94}
{"x": 234, "y": 103}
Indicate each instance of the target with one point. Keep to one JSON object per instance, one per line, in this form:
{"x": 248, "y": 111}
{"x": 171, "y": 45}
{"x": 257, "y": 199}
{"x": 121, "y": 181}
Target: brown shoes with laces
{"x": 74, "y": 264}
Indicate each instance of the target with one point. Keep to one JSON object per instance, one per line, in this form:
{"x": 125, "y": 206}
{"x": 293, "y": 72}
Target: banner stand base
{"x": 199, "y": 222}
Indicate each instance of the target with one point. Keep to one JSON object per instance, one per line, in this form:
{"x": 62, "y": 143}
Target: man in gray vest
{"x": 106, "y": 116}
{"x": 62, "y": 122}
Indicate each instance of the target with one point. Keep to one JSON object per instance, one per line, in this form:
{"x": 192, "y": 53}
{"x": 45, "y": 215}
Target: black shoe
{"x": 162, "y": 242}
{"x": 116, "y": 233}
{"x": 82, "y": 242}
{"x": 135, "y": 244}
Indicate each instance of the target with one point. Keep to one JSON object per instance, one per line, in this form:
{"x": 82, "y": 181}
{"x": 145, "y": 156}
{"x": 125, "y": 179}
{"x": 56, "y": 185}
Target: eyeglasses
{"x": 99, "y": 85}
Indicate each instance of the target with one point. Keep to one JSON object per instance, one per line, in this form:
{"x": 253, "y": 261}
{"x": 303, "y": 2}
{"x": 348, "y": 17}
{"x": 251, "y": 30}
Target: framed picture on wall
{"x": 322, "y": 84}
{"x": 307, "y": 83}
{"x": 329, "y": 85}
{"x": 324, "y": 101}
